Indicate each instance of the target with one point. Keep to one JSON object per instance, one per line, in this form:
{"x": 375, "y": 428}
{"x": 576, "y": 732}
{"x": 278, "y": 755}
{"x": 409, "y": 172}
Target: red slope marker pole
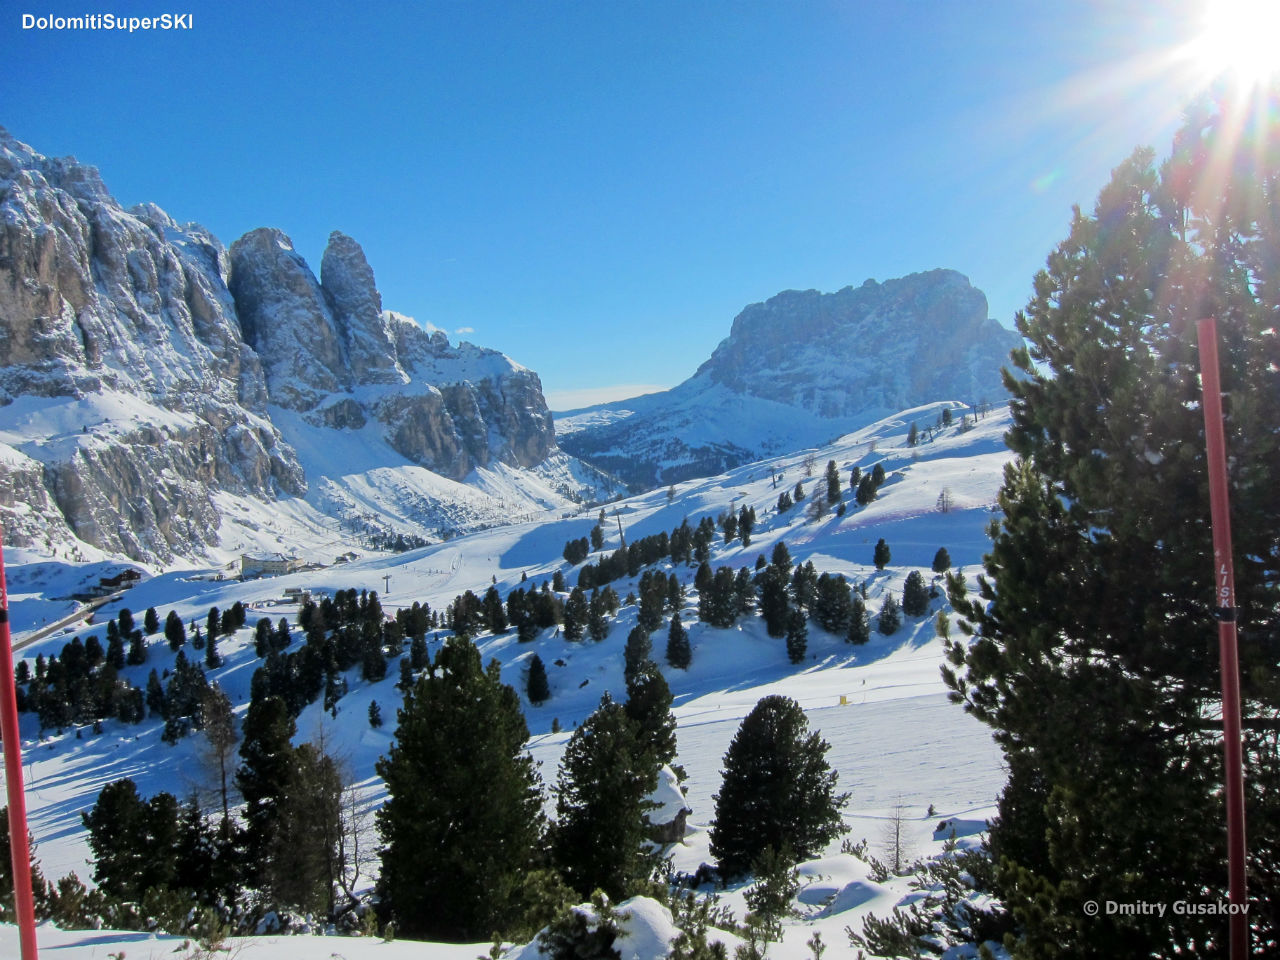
{"x": 18, "y": 847}
{"x": 1225, "y": 603}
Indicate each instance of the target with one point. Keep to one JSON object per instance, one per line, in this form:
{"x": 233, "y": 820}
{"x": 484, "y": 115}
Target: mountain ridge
{"x": 799, "y": 369}
{"x": 144, "y": 368}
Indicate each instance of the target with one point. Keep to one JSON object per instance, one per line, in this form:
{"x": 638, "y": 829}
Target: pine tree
{"x": 778, "y": 790}
{"x": 220, "y": 737}
{"x": 775, "y": 601}
{"x": 575, "y": 615}
{"x": 797, "y": 635}
{"x": 115, "y": 653}
{"x": 781, "y": 558}
{"x": 117, "y": 835}
{"x": 538, "y": 691}
{"x": 833, "y": 482}
{"x": 866, "y": 491}
{"x": 648, "y": 707}
{"x": 212, "y": 659}
{"x": 266, "y": 753}
{"x": 597, "y": 617}
{"x": 882, "y": 556}
{"x": 913, "y": 435}
{"x": 941, "y": 561}
{"x": 125, "y": 620}
{"x": 859, "y": 622}
{"x": 1094, "y": 664}
{"x": 460, "y": 785}
{"x": 304, "y": 857}
{"x": 373, "y": 660}
{"x": 746, "y": 524}
{"x": 137, "y": 650}
{"x": 375, "y": 715}
{"x": 804, "y": 585}
{"x": 639, "y": 648}
{"x": 832, "y": 605}
{"x": 150, "y": 621}
{"x": 716, "y": 603}
{"x": 729, "y": 524}
{"x": 890, "y": 617}
{"x": 155, "y": 695}
{"x": 915, "y": 595}
{"x": 495, "y": 616}
{"x": 600, "y": 836}
{"x": 679, "y": 651}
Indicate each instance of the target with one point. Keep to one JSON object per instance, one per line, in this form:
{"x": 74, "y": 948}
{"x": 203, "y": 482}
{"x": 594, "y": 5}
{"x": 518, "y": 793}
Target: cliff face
{"x": 802, "y": 368}
{"x": 122, "y": 369}
{"x": 142, "y": 365}
{"x": 892, "y": 345}
{"x": 332, "y": 354}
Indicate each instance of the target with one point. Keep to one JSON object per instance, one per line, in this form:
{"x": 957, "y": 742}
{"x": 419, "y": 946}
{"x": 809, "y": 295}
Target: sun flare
{"x": 1241, "y": 39}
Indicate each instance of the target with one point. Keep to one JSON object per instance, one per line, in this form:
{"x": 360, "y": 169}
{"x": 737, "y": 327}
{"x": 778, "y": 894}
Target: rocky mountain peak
{"x": 285, "y": 317}
{"x": 801, "y": 368}
{"x": 900, "y": 343}
{"x": 347, "y": 281}
{"x": 145, "y": 371}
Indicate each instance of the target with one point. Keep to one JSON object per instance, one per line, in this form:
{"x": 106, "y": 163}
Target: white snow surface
{"x": 895, "y": 739}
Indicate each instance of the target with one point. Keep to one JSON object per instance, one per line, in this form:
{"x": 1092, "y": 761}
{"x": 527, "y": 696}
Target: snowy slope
{"x": 895, "y": 738}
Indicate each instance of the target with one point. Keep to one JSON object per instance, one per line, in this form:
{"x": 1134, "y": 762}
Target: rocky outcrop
{"x": 143, "y": 368}
{"x": 890, "y": 345}
{"x": 332, "y": 353}
{"x": 285, "y": 318}
{"x": 347, "y": 281}
{"x": 126, "y": 314}
{"x": 668, "y": 811}
{"x": 802, "y": 368}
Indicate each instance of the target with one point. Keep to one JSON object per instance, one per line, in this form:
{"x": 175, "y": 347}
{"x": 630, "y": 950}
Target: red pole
{"x": 20, "y": 851}
{"x": 1225, "y": 603}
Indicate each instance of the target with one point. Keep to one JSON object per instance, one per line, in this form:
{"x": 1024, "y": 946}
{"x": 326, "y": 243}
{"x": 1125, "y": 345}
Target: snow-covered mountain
{"x": 799, "y": 369}
{"x": 159, "y": 393}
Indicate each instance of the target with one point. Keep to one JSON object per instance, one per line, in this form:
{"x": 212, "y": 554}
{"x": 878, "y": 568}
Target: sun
{"x": 1240, "y": 39}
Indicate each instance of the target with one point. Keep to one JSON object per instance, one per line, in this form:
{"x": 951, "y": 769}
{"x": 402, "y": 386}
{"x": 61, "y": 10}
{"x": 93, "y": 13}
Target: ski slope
{"x": 895, "y": 739}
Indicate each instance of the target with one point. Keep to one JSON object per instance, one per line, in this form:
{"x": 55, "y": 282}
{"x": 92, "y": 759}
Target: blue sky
{"x": 597, "y": 188}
